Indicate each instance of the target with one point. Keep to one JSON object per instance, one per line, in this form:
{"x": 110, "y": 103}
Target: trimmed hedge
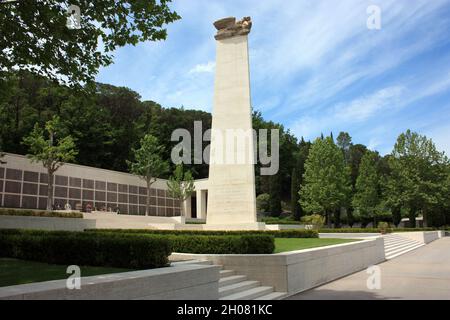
{"x": 34, "y": 213}
{"x": 374, "y": 230}
{"x": 248, "y": 244}
{"x": 350, "y": 230}
{"x": 132, "y": 251}
{"x": 275, "y": 233}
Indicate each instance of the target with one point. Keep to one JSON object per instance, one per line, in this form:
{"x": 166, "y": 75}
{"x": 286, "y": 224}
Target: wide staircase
{"x": 395, "y": 245}
{"x": 233, "y": 286}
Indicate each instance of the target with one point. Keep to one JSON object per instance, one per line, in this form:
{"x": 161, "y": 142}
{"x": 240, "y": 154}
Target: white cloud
{"x": 204, "y": 68}
{"x": 363, "y": 108}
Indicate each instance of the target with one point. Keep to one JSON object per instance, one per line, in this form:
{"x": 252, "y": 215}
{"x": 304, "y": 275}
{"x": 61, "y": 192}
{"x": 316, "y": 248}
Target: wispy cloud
{"x": 315, "y": 67}
{"x": 203, "y": 68}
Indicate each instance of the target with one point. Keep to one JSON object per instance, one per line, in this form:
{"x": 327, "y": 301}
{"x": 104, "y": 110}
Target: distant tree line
{"x": 344, "y": 182}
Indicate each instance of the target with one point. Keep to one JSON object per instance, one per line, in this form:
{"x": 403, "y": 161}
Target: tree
{"x": 297, "y": 179}
{"x": 344, "y": 141}
{"x": 181, "y": 186}
{"x": 51, "y": 150}
{"x": 35, "y": 35}
{"x": 1, "y": 153}
{"x": 148, "y": 164}
{"x": 326, "y": 180}
{"x": 275, "y": 198}
{"x": 417, "y": 179}
{"x": 366, "y": 198}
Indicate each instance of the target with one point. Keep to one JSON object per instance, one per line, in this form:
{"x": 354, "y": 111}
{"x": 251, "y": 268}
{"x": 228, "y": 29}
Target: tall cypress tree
{"x": 275, "y": 197}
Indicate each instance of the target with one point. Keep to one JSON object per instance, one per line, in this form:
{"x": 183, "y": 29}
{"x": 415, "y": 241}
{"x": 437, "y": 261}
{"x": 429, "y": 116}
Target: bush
{"x": 282, "y": 221}
{"x": 34, "y": 213}
{"x": 246, "y": 244}
{"x": 131, "y": 251}
{"x": 383, "y": 227}
{"x": 262, "y": 202}
{"x": 276, "y": 234}
{"x": 350, "y": 230}
{"x": 316, "y": 220}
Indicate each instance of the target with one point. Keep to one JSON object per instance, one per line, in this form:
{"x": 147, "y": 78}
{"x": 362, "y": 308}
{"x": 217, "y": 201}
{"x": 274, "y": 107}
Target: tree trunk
{"x": 425, "y": 219}
{"x": 182, "y": 211}
{"x": 412, "y": 218}
{"x": 147, "y": 207}
{"x": 50, "y": 191}
{"x": 328, "y": 219}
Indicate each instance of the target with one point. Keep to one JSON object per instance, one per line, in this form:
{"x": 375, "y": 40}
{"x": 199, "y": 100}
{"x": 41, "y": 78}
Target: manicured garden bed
{"x": 15, "y": 272}
{"x": 285, "y": 245}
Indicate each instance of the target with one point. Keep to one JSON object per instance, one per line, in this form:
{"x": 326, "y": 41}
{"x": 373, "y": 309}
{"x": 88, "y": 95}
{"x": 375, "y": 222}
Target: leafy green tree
{"x": 297, "y": 179}
{"x": 148, "y": 164}
{"x": 344, "y": 141}
{"x": 47, "y": 147}
{"x": 181, "y": 186}
{"x": 275, "y": 207}
{"x": 366, "y": 198}
{"x": 417, "y": 178}
{"x": 35, "y": 35}
{"x": 326, "y": 179}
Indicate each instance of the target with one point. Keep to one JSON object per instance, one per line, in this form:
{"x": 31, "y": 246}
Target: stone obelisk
{"x": 231, "y": 190}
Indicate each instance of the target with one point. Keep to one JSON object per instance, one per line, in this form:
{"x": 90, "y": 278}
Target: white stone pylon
{"x": 231, "y": 190}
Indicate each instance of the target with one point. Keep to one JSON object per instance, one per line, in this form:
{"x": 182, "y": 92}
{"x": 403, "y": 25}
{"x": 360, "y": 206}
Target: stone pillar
{"x": 231, "y": 193}
{"x": 201, "y": 204}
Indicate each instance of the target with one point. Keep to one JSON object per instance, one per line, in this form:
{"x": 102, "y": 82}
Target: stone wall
{"x": 182, "y": 282}
{"x": 297, "y": 271}
{"x": 24, "y": 185}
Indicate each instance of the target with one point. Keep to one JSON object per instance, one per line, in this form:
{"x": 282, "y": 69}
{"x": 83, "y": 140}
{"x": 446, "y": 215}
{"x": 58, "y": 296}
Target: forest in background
{"x": 107, "y": 123}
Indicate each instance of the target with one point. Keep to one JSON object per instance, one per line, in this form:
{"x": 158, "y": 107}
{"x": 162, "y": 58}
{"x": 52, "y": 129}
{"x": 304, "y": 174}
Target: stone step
{"x": 399, "y": 244}
{"x": 393, "y": 255}
{"x": 226, "y": 273}
{"x": 237, "y": 287}
{"x": 250, "y": 294}
{"x": 231, "y": 280}
{"x": 400, "y": 251}
{"x": 399, "y": 240}
{"x": 273, "y": 296}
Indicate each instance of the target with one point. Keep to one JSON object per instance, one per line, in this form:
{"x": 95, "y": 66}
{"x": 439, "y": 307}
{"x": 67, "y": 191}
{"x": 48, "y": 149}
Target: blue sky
{"x": 315, "y": 66}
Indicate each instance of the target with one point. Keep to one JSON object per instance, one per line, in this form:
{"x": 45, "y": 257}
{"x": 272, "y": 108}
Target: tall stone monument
{"x": 231, "y": 190}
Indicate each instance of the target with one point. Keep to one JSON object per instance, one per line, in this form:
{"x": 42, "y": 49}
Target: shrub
{"x": 34, "y": 213}
{"x": 316, "y": 220}
{"x": 131, "y": 251}
{"x": 383, "y": 227}
{"x": 275, "y": 233}
{"x": 246, "y": 244}
{"x": 262, "y": 202}
{"x": 282, "y": 221}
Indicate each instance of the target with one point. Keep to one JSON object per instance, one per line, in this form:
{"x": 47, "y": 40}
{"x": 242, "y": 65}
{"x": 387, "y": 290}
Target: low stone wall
{"x": 181, "y": 282}
{"x": 297, "y": 271}
{"x": 423, "y": 237}
{"x": 46, "y": 223}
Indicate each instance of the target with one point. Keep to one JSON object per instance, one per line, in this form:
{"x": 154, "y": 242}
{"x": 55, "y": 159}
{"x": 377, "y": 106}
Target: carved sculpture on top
{"x": 228, "y": 27}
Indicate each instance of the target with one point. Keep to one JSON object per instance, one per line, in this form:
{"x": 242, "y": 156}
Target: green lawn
{"x": 14, "y": 272}
{"x": 294, "y": 244}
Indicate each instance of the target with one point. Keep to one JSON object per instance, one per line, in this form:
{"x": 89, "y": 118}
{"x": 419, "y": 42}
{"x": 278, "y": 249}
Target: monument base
{"x": 257, "y": 226}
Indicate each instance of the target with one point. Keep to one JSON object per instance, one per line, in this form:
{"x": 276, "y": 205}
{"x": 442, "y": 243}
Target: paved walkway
{"x": 421, "y": 274}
